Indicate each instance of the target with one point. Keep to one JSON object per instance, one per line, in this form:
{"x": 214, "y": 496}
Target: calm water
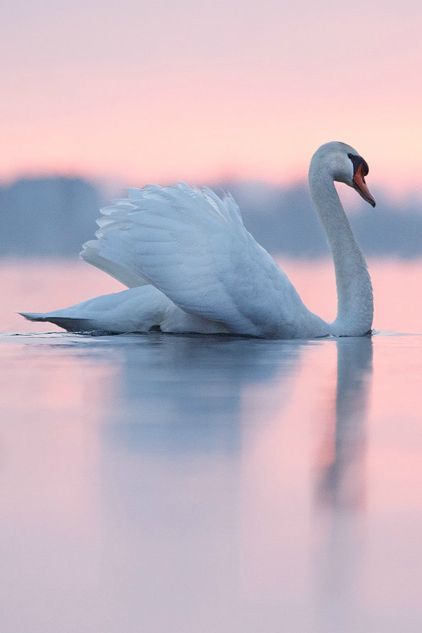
{"x": 182, "y": 484}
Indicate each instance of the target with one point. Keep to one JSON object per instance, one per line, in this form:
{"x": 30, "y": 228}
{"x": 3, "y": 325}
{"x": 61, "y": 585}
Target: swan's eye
{"x": 358, "y": 161}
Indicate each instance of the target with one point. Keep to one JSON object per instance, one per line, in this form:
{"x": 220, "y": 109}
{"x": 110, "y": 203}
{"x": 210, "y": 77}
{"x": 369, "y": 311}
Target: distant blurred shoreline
{"x": 53, "y": 216}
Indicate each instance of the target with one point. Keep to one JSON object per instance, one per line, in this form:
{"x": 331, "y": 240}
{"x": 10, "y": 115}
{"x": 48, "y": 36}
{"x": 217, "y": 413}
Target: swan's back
{"x": 192, "y": 245}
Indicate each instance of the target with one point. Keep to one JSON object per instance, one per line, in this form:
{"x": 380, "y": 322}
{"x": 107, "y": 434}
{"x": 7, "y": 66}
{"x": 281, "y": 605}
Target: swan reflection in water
{"x": 173, "y": 446}
{"x": 340, "y": 492}
{"x": 196, "y": 487}
{"x": 187, "y": 394}
{"x": 341, "y": 467}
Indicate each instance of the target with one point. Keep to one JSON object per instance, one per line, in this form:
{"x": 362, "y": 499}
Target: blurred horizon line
{"x": 53, "y": 215}
{"x": 223, "y": 180}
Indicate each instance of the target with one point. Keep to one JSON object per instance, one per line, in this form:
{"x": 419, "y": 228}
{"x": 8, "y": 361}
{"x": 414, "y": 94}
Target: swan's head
{"x": 346, "y": 165}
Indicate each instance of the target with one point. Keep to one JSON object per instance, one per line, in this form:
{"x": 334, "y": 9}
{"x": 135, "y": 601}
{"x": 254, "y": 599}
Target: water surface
{"x": 210, "y": 484}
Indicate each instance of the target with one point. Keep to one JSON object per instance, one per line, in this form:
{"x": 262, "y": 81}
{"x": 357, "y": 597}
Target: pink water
{"x": 193, "y": 484}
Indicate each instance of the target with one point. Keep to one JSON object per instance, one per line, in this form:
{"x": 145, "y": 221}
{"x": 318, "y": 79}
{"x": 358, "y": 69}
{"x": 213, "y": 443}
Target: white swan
{"x": 191, "y": 265}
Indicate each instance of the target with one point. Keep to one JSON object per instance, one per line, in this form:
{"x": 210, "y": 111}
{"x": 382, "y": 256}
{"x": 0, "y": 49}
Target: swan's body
{"x": 191, "y": 265}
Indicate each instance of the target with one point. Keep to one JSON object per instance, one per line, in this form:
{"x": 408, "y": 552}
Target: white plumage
{"x": 191, "y": 266}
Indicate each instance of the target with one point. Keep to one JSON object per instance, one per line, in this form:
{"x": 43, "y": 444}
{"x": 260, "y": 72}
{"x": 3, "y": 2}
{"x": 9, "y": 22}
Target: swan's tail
{"x": 134, "y": 310}
{"x": 33, "y": 316}
{"x": 71, "y": 324}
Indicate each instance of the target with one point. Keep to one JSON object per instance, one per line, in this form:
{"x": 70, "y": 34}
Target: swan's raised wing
{"x": 193, "y": 246}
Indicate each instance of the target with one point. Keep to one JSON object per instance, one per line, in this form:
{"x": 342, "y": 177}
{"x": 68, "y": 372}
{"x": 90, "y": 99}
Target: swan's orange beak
{"x": 361, "y": 186}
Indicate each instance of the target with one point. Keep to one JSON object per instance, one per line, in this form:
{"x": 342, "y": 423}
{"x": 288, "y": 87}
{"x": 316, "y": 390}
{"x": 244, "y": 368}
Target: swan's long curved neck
{"x": 354, "y": 288}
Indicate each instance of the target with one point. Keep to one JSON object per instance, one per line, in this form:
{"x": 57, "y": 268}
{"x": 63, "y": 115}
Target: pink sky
{"x": 137, "y": 91}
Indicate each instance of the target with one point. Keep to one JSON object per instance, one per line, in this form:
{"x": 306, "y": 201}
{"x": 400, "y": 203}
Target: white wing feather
{"x": 192, "y": 245}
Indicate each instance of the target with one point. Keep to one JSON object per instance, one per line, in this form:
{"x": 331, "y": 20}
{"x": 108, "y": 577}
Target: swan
{"x": 190, "y": 265}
